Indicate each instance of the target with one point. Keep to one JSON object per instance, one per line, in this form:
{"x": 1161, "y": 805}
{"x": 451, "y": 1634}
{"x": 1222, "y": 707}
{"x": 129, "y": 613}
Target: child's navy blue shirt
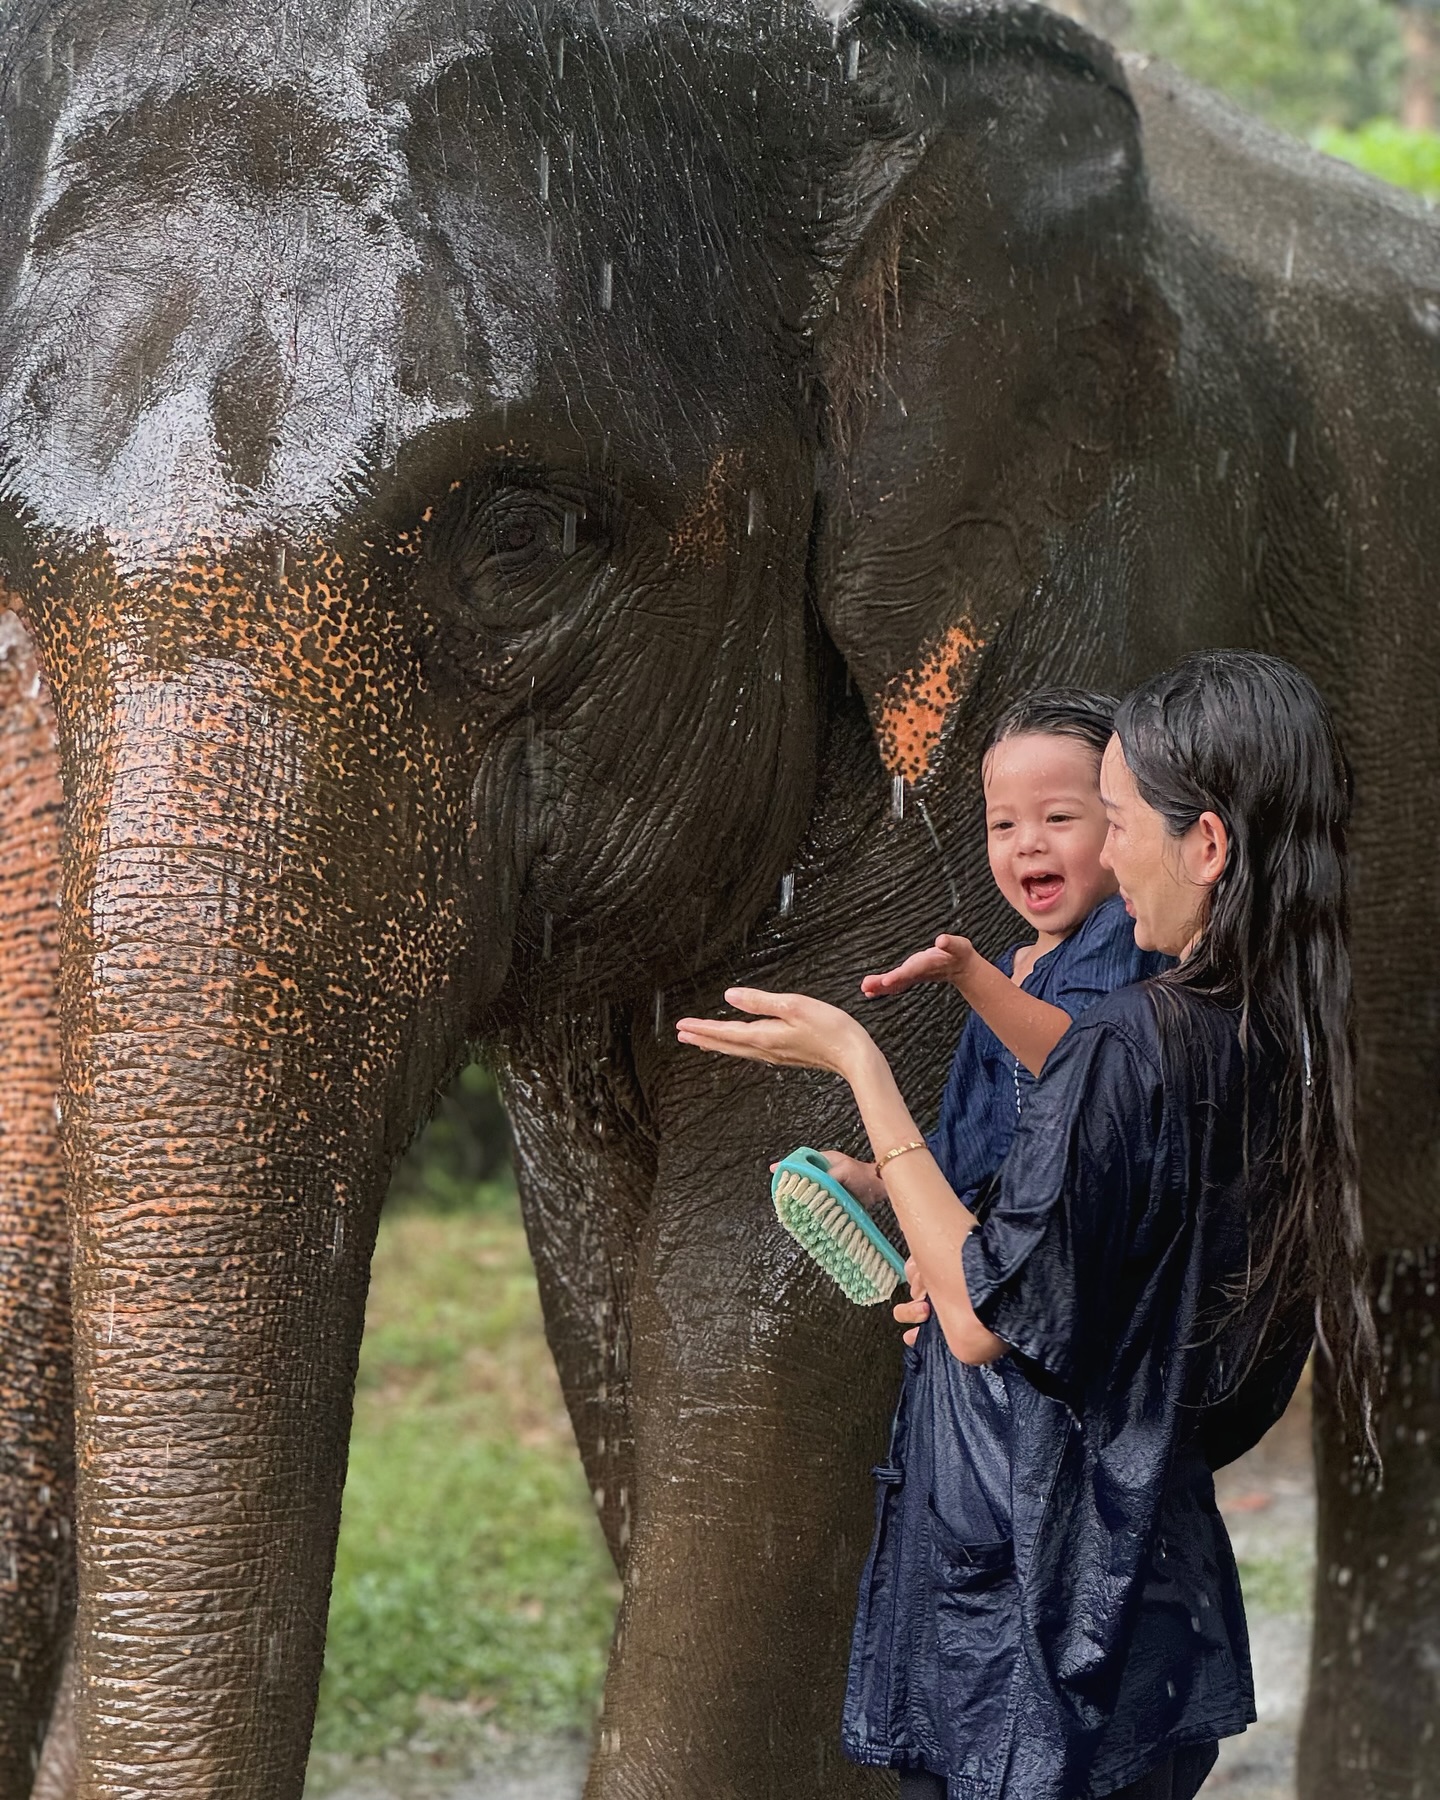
{"x": 988, "y": 1084}
{"x": 1051, "y": 1607}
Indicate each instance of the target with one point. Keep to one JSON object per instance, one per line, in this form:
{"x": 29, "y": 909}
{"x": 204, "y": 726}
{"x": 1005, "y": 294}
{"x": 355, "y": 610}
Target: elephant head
{"x": 484, "y": 482}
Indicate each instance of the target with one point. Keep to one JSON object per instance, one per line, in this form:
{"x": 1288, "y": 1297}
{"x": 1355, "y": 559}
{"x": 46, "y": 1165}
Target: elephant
{"x": 523, "y": 513}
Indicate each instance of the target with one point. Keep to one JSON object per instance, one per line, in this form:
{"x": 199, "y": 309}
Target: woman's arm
{"x": 934, "y": 1221}
{"x": 1027, "y": 1027}
{"x": 795, "y": 1031}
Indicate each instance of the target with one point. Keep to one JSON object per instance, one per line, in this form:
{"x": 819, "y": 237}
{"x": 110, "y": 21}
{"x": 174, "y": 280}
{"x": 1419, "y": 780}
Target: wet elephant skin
{"x": 36, "y": 1453}
{"x": 494, "y": 491}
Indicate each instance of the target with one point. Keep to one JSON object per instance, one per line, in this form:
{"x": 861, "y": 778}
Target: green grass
{"x": 1279, "y": 1584}
{"x": 473, "y": 1595}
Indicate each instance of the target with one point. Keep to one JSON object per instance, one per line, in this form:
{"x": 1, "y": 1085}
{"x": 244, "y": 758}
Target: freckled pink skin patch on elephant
{"x": 917, "y": 704}
{"x": 494, "y": 492}
{"x": 36, "y": 1451}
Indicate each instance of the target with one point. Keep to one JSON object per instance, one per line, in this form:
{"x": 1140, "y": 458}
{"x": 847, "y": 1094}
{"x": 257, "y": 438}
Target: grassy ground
{"x": 473, "y": 1595}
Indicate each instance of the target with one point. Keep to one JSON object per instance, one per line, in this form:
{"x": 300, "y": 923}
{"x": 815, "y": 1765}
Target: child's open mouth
{"x": 1042, "y": 891}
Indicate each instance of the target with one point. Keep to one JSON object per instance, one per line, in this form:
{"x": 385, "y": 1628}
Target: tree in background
{"x": 1420, "y": 81}
{"x": 1359, "y": 78}
{"x": 1298, "y": 63}
{"x": 462, "y": 1157}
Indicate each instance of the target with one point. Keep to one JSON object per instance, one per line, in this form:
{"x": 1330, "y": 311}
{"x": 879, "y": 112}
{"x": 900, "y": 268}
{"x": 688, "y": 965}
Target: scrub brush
{"x": 834, "y": 1229}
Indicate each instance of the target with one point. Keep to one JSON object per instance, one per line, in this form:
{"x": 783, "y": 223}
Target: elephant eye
{"x": 515, "y": 535}
{"x": 530, "y": 533}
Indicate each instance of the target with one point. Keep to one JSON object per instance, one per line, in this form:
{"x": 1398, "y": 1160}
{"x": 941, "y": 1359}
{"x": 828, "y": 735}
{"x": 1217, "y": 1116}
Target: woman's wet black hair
{"x": 1249, "y": 738}
{"x": 1057, "y": 712}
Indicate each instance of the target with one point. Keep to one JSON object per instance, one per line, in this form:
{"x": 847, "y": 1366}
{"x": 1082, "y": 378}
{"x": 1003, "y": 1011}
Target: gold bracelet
{"x": 899, "y": 1150}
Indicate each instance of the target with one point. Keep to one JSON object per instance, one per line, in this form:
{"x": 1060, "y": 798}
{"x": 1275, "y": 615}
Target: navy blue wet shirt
{"x": 1050, "y": 1606}
{"x": 988, "y": 1085}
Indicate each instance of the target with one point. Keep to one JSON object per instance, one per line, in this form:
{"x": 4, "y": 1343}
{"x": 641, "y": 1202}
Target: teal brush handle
{"x": 811, "y": 1163}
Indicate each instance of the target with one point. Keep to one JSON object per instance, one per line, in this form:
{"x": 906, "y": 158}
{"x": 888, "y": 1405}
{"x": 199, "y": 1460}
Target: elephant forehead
{"x": 224, "y": 314}
{"x": 262, "y": 254}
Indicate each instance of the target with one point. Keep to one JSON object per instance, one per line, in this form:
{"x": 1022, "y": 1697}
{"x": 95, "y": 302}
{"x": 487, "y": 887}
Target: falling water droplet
{"x": 567, "y": 540}
{"x": 1290, "y": 449}
{"x": 1222, "y": 464}
{"x": 755, "y": 512}
{"x": 897, "y": 797}
{"x": 337, "y": 1241}
{"x": 607, "y": 285}
{"x": 544, "y": 171}
{"x": 1290, "y": 254}
{"x": 659, "y": 1011}
{"x": 787, "y": 895}
{"x": 560, "y": 60}
{"x": 280, "y": 565}
{"x": 546, "y": 936}
{"x": 852, "y": 60}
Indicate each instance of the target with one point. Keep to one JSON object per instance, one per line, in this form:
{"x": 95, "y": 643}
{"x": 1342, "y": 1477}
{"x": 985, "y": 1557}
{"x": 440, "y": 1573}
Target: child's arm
{"x": 1029, "y": 1028}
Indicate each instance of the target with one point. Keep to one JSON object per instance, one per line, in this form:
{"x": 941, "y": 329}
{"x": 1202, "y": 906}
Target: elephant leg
{"x": 1372, "y": 1719}
{"x": 36, "y": 1395}
{"x": 586, "y": 1166}
{"x": 760, "y": 1401}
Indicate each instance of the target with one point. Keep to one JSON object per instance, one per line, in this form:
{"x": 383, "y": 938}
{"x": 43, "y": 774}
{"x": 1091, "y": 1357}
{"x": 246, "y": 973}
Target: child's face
{"x": 1045, "y": 828}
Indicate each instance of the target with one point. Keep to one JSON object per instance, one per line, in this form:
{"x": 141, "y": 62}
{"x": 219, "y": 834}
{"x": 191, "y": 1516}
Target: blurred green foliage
{"x": 461, "y": 1162}
{"x": 1301, "y": 64}
{"x": 1327, "y": 70}
{"x": 1409, "y": 159}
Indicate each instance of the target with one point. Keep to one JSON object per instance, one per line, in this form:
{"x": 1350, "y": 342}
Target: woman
{"x": 1051, "y": 1608}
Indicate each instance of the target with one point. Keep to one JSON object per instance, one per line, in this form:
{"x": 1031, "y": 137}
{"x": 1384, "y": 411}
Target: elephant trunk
{"x": 36, "y": 1454}
{"x": 236, "y": 1032}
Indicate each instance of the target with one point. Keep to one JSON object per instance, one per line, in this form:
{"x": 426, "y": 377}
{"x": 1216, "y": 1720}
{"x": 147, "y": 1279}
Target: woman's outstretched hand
{"x": 790, "y": 1030}
{"x": 916, "y": 1310}
{"x": 948, "y": 959}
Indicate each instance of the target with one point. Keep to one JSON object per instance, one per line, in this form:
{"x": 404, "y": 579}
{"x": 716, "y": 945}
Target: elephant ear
{"x": 993, "y": 346}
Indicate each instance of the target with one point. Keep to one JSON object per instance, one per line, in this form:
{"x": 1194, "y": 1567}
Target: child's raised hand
{"x": 948, "y": 959}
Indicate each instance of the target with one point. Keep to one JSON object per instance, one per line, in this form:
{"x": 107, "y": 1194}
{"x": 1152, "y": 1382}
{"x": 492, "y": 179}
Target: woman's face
{"x": 1165, "y": 881}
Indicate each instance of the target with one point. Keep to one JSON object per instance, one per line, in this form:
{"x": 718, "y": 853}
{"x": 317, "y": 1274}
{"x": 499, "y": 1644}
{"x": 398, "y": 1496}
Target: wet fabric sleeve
{"x": 1043, "y": 1270}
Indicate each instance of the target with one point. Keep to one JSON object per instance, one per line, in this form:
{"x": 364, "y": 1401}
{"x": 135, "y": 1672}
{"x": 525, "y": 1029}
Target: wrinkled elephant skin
{"x": 36, "y": 1457}
{"x": 493, "y": 491}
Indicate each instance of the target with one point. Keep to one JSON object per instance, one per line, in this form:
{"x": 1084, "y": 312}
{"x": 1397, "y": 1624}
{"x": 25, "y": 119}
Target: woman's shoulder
{"x": 1126, "y": 1013}
{"x": 1187, "y": 1039}
{"x": 1116, "y": 1039}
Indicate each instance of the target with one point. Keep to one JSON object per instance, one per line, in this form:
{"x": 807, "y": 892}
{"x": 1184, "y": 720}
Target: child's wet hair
{"x": 1080, "y": 713}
